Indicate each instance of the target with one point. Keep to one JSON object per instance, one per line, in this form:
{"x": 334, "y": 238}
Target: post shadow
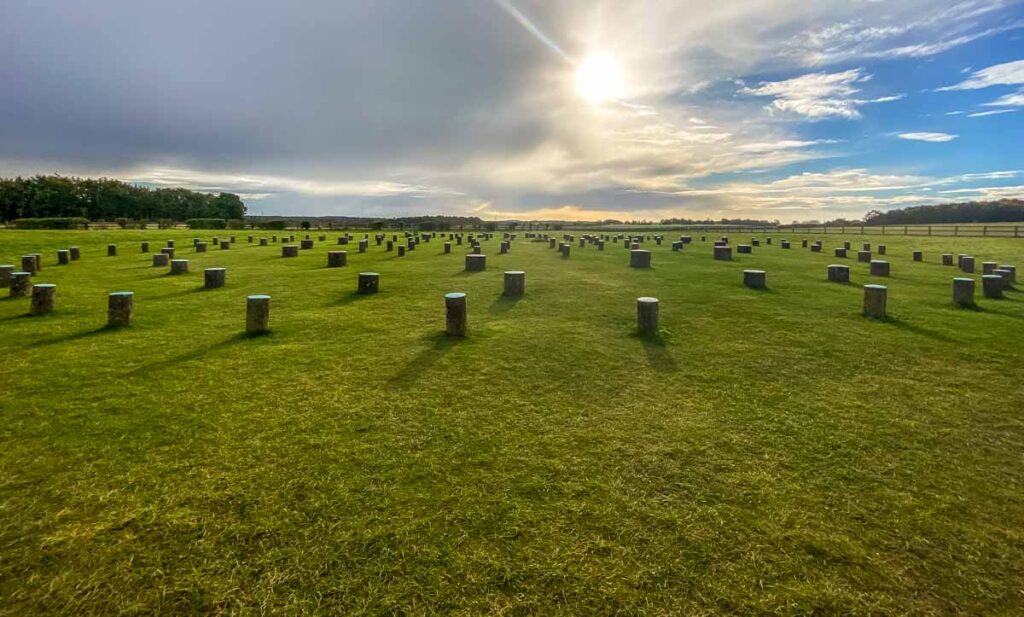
{"x": 425, "y": 359}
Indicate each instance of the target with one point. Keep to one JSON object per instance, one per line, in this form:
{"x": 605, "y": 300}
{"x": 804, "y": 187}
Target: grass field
{"x": 772, "y": 452}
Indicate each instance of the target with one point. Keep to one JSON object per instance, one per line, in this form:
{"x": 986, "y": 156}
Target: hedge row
{"x": 70, "y": 222}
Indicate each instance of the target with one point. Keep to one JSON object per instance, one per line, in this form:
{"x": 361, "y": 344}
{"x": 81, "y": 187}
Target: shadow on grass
{"x": 425, "y": 359}
{"x": 915, "y": 329}
{"x": 74, "y": 336}
{"x": 353, "y": 296}
{"x": 503, "y": 303}
{"x": 195, "y": 354}
{"x": 469, "y": 272}
{"x": 656, "y": 350}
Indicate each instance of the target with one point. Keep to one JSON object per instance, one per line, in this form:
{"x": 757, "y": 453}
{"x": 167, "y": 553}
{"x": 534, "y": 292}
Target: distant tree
{"x": 305, "y": 225}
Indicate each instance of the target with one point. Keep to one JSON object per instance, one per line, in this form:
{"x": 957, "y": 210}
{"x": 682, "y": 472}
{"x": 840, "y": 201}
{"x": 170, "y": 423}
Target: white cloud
{"x": 932, "y": 137}
{"x": 1014, "y": 99}
{"x": 819, "y": 95}
{"x": 1006, "y": 74}
{"x": 982, "y": 114}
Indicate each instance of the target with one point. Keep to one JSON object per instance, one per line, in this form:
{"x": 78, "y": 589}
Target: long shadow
{"x": 503, "y": 304}
{"x": 353, "y": 296}
{"x": 15, "y": 317}
{"x": 182, "y": 292}
{"x": 656, "y": 349}
{"x": 992, "y": 311}
{"x": 195, "y": 354}
{"x": 914, "y": 329}
{"x": 424, "y": 360}
{"x": 73, "y": 336}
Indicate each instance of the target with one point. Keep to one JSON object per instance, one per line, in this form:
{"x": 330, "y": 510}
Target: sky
{"x": 782, "y": 110}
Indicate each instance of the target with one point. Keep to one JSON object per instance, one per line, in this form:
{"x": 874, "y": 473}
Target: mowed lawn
{"x": 773, "y": 452}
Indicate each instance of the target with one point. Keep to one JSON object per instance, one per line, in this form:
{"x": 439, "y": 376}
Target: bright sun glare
{"x": 599, "y": 79}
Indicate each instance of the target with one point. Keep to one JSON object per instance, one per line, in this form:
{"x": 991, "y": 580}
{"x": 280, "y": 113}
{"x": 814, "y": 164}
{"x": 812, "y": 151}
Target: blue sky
{"x": 773, "y": 109}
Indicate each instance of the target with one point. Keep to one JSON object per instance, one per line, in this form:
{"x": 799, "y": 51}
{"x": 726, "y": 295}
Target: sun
{"x": 599, "y": 79}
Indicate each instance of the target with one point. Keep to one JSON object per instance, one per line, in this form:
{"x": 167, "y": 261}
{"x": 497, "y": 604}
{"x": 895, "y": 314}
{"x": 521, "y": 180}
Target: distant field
{"x": 771, "y": 452}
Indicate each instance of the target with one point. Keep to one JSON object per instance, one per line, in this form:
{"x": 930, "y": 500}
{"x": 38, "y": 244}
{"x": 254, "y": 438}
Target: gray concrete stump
{"x": 963, "y": 292}
{"x": 144, "y": 247}
{"x": 864, "y": 256}
{"x": 992, "y": 286}
{"x": 918, "y": 256}
{"x": 5, "y": 275}
{"x": 179, "y": 266}
{"x": 257, "y": 314}
{"x": 289, "y": 250}
{"x": 838, "y": 273}
{"x": 874, "y": 300}
{"x": 988, "y": 266}
{"x": 947, "y": 259}
{"x": 723, "y": 253}
{"x": 744, "y": 248}
{"x": 42, "y": 299}
{"x": 879, "y": 267}
{"x": 200, "y": 247}
{"x": 967, "y": 264}
{"x": 111, "y": 250}
{"x": 20, "y": 284}
{"x": 337, "y": 259}
{"x": 368, "y": 283}
{"x": 455, "y": 313}
{"x": 476, "y": 263}
{"x": 120, "y": 305}
{"x": 28, "y": 264}
{"x": 840, "y": 252}
{"x": 160, "y": 260}
{"x": 1005, "y": 274}
{"x": 76, "y": 253}
{"x": 214, "y": 278}
{"x": 647, "y": 316}
{"x": 639, "y": 259}
{"x": 515, "y": 283}
{"x": 755, "y": 279}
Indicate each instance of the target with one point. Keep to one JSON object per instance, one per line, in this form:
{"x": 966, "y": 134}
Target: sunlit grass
{"x": 770, "y": 452}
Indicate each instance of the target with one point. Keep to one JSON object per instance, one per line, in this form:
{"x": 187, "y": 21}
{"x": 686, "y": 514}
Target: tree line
{"x": 104, "y": 199}
{"x": 1002, "y": 211}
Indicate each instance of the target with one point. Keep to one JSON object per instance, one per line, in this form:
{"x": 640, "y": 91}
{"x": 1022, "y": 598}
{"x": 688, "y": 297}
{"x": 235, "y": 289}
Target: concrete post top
{"x": 258, "y": 297}
{"x": 454, "y": 295}
{"x": 122, "y": 293}
{"x": 879, "y": 287}
{"x": 647, "y": 300}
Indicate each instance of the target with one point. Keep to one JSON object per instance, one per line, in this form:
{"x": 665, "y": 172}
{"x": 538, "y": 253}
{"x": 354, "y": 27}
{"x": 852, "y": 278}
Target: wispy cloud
{"x": 819, "y": 95}
{"x": 994, "y": 112}
{"x": 1006, "y": 74}
{"x": 932, "y": 137}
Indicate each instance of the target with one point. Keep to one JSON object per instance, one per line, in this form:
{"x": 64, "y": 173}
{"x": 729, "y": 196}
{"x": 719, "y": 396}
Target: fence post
{"x": 905, "y": 230}
{"x": 984, "y": 231}
{"x": 929, "y": 230}
{"x": 956, "y": 230}
{"x": 1016, "y": 229}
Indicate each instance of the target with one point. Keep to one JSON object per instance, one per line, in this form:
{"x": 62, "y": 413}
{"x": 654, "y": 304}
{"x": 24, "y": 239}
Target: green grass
{"x": 772, "y": 452}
